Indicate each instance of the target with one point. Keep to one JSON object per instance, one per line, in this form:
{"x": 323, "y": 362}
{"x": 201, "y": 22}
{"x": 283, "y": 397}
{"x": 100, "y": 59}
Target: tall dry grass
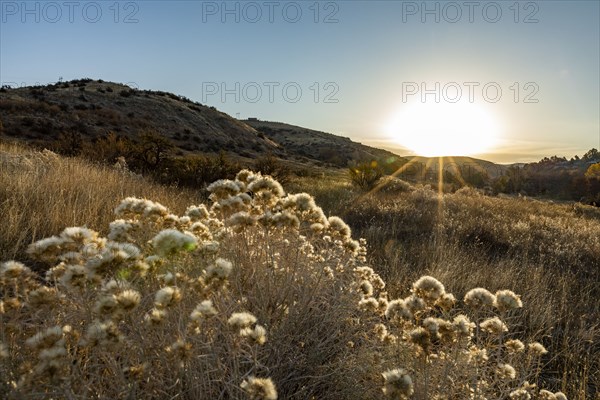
{"x": 41, "y": 194}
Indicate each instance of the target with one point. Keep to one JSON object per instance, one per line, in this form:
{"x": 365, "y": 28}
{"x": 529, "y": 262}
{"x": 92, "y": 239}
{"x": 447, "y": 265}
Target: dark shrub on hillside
{"x": 271, "y": 165}
{"x": 198, "y": 171}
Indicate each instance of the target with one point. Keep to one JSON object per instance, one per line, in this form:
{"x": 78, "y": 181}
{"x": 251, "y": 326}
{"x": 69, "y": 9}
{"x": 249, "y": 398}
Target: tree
{"x": 152, "y": 150}
{"x": 108, "y": 148}
{"x": 70, "y": 143}
{"x": 197, "y": 171}
{"x": 593, "y": 154}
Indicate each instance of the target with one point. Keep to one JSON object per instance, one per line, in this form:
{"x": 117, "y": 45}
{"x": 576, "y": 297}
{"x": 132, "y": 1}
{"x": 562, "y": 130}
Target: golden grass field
{"x": 329, "y": 328}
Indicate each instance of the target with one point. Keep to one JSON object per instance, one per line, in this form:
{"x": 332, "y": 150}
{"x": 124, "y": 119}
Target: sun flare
{"x": 444, "y": 129}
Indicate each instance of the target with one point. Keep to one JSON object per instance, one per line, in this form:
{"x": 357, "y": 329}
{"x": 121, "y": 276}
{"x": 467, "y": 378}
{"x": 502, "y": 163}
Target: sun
{"x": 444, "y": 129}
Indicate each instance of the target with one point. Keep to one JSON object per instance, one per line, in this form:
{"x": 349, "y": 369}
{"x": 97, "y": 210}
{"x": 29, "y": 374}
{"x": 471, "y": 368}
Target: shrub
{"x": 393, "y": 185}
{"x": 198, "y": 171}
{"x": 271, "y": 165}
{"x": 255, "y": 295}
{"x": 190, "y": 305}
{"x": 151, "y": 152}
{"x": 365, "y": 175}
{"x": 453, "y": 351}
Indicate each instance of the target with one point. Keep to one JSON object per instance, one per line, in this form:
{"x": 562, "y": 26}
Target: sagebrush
{"x": 257, "y": 294}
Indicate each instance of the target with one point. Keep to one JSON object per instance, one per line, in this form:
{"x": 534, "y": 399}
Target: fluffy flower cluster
{"x": 453, "y": 346}
{"x": 259, "y": 388}
{"x": 171, "y": 241}
{"x": 397, "y": 384}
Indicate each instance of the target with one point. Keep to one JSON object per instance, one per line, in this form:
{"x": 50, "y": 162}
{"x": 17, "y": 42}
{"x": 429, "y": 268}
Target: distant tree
{"x": 197, "y": 171}
{"x": 152, "y": 150}
{"x": 392, "y": 165}
{"x": 515, "y": 180}
{"x": 591, "y": 155}
{"x": 500, "y": 184}
{"x": 108, "y": 148}
{"x": 472, "y": 175}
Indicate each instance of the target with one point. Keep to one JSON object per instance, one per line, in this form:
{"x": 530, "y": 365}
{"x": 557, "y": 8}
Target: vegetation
{"x": 365, "y": 175}
{"x": 555, "y": 177}
{"x": 272, "y": 166}
{"x": 257, "y": 293}
{"x": 41, "y": 193}
{"x": 104, "y": 121}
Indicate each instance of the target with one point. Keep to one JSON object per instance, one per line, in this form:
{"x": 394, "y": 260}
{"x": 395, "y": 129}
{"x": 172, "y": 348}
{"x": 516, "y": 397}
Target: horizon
{"x": 504, "y": 82}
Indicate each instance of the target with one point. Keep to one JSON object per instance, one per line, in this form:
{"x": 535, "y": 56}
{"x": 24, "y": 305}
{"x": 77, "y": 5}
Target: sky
{"x": 507, "y": 81}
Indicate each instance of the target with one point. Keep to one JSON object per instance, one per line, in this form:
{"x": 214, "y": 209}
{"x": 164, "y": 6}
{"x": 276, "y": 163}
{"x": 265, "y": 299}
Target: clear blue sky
{"x": 361, "y": 54}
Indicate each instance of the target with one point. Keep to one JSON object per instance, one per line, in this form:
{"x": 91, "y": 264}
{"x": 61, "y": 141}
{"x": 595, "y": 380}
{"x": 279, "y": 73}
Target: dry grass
{"x": 41, "y": 194}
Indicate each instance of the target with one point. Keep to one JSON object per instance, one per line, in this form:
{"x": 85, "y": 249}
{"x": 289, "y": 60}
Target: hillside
{"x": 94, "y": 108}
{"x": 43, "y": 114}
{"x": 333, "y": 149}
{"x": 493, "y": 170}
{"x": 91, "y": 118}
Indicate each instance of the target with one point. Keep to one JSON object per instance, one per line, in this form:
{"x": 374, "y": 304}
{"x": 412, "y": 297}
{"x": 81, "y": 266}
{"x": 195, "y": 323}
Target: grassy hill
{"x": 328, "y": 148}
{"x": 94, "y": 108}
{"x": 91, "y": 109}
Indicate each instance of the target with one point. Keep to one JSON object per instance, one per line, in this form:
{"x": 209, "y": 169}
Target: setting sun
{"x": 444, "y": 129}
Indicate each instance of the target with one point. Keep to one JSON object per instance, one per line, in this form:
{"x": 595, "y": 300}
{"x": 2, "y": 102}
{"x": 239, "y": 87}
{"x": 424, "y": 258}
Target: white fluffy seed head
{"x": 519, "y": 394}
{"x": 259, "y": 388}
{"x": 241, "y": 320}
{"x": 428, "y": 288}
{"x": 398, "y": 309}
{"x": 166, "y": 297}
{"x": 221, "y": 269}
{"x": 537, "y": 349}
{"x": 507, "y": 300}
{"x": 493, "y": 325}
{"x": 479, "y": 297}
{"x": 170, "y": 241}
{"x": 203, "y": 310}
{"x": 397, "y": 384}
{"x": 506, "y": 371}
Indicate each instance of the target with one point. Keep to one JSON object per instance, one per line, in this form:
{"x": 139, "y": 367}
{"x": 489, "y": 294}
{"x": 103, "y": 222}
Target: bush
{"x": 126, "y": 92}
{"x": 365, "y": 175}
{"x": 161, "y": 306}
{"x": 393, "y": 185}
{"x": 198, "y": 171}
{"x": 454, "y": 351}
{"x": 256, "y": 295}
{"x": 271, "y": 165}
